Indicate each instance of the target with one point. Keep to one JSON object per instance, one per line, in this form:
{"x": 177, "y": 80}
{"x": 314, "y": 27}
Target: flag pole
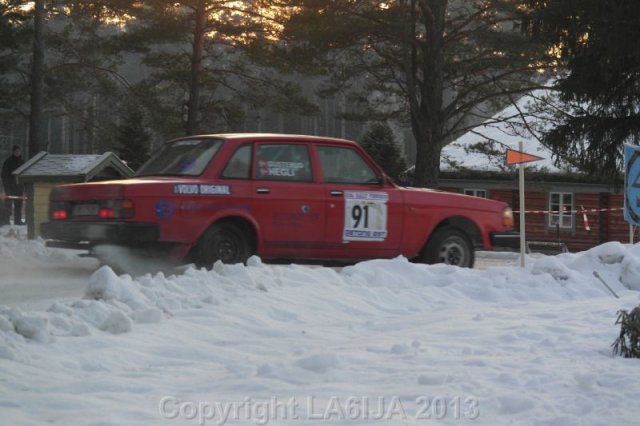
{"x": 522, "y": 211}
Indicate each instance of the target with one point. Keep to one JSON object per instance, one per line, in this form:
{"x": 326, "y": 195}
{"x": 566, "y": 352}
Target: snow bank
{"x": 17, "y": 253}
{"x": 525, "y": 346}
{"x": 114, "y": 304}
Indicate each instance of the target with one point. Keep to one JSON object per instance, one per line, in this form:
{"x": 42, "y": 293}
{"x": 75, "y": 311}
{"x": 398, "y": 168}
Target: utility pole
{"x": 37, "y": 104}
{"x": 37, "y": 82}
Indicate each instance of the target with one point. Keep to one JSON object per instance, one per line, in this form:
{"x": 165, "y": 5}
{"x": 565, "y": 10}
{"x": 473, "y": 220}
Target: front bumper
{"x": 121, "y": 233}
{"x": 505, "y": 239}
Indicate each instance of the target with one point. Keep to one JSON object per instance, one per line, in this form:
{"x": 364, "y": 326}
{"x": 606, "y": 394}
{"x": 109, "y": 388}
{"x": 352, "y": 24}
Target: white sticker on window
{"x": 365, "y": 216}
{"x": 279, "y": 168}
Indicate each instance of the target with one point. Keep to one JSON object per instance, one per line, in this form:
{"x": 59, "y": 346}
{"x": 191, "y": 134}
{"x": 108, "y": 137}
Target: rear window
{"x": 188, "y": 157}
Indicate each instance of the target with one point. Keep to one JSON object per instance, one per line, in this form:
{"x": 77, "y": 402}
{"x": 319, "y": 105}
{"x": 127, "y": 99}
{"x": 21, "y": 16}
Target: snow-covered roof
{"x": 72, "y": 166}
{"x": 484, "y": 148}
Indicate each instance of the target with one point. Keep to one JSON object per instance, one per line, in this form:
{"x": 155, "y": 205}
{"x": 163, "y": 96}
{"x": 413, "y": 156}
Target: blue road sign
{"x": 632, "y": 184}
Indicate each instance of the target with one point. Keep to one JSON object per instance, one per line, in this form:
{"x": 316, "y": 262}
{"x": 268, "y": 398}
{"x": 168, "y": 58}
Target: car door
{"x": 287, "y": 204}
{"x": 364, "y": 217}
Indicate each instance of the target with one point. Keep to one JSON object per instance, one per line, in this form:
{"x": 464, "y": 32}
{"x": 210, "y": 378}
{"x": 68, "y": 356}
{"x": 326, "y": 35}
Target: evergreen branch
{"x": 114, "y": 73}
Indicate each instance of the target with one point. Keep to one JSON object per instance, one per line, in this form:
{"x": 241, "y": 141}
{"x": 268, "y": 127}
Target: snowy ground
{"x": 381, "y": 342}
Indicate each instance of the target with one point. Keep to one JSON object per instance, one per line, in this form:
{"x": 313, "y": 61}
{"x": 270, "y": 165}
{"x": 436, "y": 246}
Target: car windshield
{"x": 187, "y": 157}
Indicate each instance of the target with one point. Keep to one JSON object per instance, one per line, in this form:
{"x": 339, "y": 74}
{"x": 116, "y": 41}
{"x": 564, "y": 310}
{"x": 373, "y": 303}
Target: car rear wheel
{"x": 225, "y": 242}
{"x": 449, "y": 246}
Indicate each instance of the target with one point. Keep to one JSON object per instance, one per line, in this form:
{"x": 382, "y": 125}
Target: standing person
{"x": 11, "y": 187}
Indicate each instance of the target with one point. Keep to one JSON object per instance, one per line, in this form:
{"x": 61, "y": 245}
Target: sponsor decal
{"x": 164, "y": 209}
{"x": 279, "y": 168}
{"x": 201, "y": 189}
{"x": 215, "y": 190}
{"x": 364, "y": 234}
{"x": 199, "y": 206}
{"x": 365, "y": 216}
{"x": 367, "y": 196}
{"x": 294, "y": 219}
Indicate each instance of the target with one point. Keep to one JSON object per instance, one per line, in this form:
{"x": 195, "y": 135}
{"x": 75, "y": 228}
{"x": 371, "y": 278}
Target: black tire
{"x": 225, "y": 242}
{"x": 450, "y": 246}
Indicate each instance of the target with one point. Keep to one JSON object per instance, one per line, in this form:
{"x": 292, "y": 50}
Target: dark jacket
{"x": 8, "y": 180}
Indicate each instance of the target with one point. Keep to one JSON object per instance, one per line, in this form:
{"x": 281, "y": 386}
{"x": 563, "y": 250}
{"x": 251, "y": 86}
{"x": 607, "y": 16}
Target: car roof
{"x": 269, "y": 137}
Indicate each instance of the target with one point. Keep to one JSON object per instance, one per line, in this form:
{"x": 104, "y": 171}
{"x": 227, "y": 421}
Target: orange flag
{"x": 517, "y": 157}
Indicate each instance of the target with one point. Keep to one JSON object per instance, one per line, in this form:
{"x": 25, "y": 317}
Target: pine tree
{"x": 430, "y": 63}
{"x": 15, "y": 34}
{"x": 133, "y": 138}
{"x": 80, "y": 76}
{"x": 12, "y": 20}
{"x": 198, "y": 56}
{"x": 628, "y": 342}
{"x": 596, "y": 43}
{"x": 380, "y": 144}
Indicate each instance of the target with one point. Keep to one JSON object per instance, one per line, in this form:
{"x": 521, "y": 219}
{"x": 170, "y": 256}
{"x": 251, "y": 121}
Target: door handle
{"x": 336, "y": 193}
{"x": 263, "y": 190}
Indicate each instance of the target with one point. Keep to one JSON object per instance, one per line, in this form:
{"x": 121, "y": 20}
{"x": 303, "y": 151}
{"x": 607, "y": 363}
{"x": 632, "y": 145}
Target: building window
{"x": 482, "y": 193}
{"x": 561, "y": 206}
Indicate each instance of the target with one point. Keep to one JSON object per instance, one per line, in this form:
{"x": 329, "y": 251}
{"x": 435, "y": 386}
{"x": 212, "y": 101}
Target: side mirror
{"x": 382, "y": 179}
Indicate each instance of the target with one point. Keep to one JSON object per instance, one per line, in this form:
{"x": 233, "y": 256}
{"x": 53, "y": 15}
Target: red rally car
{"x": 226, "y": 197}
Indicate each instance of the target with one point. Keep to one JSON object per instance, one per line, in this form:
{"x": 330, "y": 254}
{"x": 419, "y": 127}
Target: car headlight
{"x": 507, "y": 217}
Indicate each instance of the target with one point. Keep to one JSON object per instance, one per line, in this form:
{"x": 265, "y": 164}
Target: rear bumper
{"x": 505, "y": 239}
{"x": 121, "y": 233}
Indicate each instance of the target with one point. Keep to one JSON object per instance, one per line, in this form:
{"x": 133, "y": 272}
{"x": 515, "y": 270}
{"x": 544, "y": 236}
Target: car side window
{"x": 344, "y": 165}
{"x": 239, "y": 165}
{"x": 286, "y": 162}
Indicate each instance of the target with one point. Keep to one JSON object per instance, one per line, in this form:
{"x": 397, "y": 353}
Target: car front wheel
{"x": 449, "y": 246}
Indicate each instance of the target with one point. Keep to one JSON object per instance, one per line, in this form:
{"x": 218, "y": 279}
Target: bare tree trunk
{"x": 37, "y": 82}
{"x": 193, "y": 105}
{"x": 427, "y": 170}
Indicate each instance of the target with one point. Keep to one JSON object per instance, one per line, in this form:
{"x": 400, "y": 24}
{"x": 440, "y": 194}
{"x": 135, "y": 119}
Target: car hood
{"x": 420, "y": 196}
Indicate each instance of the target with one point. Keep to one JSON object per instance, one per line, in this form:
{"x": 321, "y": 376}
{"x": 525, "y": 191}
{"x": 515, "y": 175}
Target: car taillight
{"x": 58, "y": 211}
{"x": 507, "y": 217}
{"x": 59, "y": 214}
{"x": 127, "y": 208}
{"x": 107, "y": 214}
{"x": 117, "y": 209}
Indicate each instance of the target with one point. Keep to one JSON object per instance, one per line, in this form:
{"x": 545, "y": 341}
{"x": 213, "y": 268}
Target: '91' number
{"x": 357, "y": 214}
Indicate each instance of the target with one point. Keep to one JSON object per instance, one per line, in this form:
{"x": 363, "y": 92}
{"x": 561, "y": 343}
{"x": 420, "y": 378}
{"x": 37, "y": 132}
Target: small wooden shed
{"x": 45, "y": 171}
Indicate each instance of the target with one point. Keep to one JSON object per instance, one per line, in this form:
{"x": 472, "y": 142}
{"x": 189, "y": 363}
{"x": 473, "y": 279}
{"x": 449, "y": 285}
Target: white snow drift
{"x": 381, "y": 341}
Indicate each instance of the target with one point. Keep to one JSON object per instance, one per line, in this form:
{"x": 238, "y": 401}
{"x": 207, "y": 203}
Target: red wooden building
{"x": 554, "y": 205}
{"x": 556, "y": 193}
